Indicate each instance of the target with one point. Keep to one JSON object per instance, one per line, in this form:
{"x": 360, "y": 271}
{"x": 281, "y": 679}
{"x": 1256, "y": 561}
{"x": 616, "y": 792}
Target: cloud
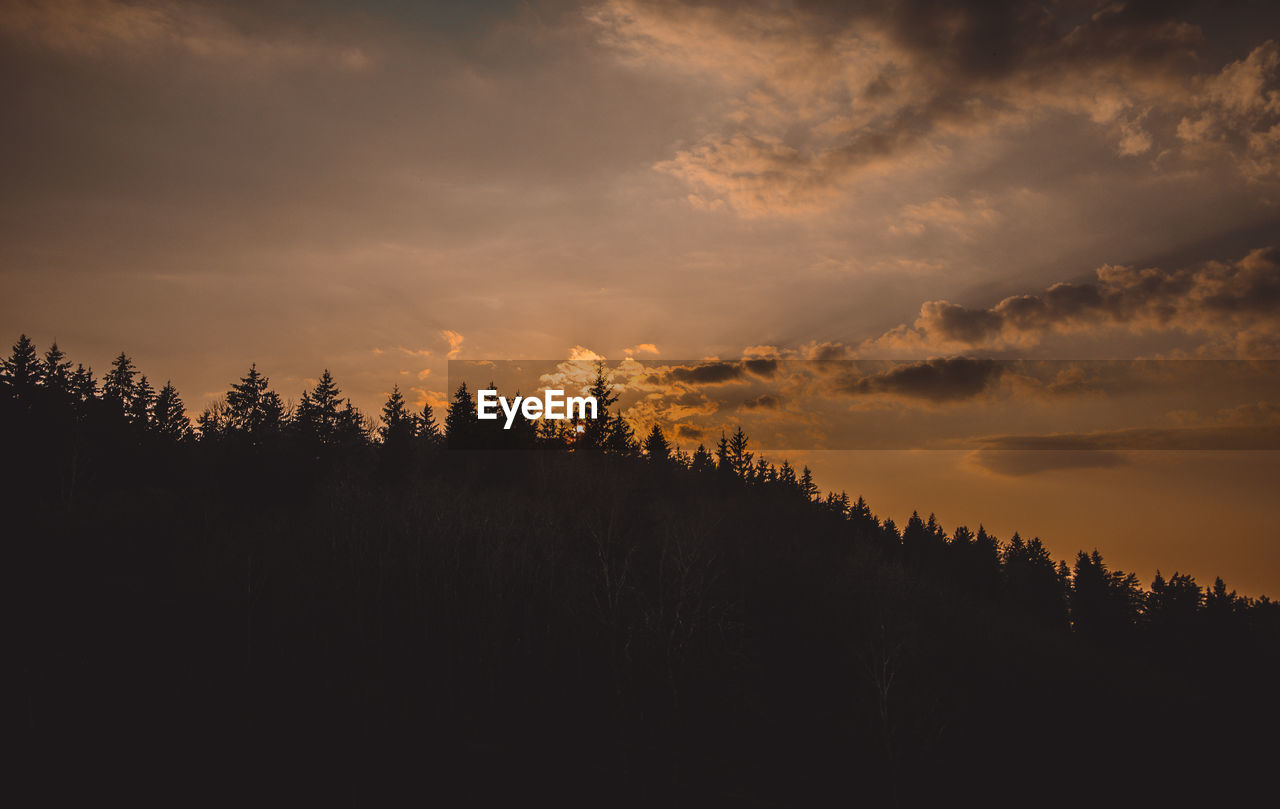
{"x": 1238, "y": 111}
{"x": 107, "y": 29}
{"x": 963, "y": 219}
{"x": 762, "y": 402}
{"x": 712, "y": 373}
{"x": 816, "y": 96}
{"x": 688, "y": 431}
{"x": 454, "y": 339}
{"x": 1015, "y": 463}
{"x": 1234, "y": 306}
{"x": 641, "y": 348}
{"x": 935, "y": 381}
{"x": 1253, "y": 436}
{"x": 761, "y": 367}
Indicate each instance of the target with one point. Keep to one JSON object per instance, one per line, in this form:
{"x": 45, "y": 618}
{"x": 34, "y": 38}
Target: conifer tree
{"x": 723, "y": 464}
{"x": 460, "y": 420}
{"x": 83, "y": 387}
{"x": 253, "y": 409}
{"x": 118, "y": 385}
{"x": 787, "y": 476}
{"x": 596, "y": 432}
{"x": 621, "y": 439}
{"x": 739, "y": 458}
{"x": 702, "y": 461}
{"x": 808, "y": 488}
{"x": 21, "y": 371}
{"x": 399, "y": 427}
{"x": 169, "y": 418}
{"x": 656, "y": 447}
{"x": 428, "y": 430}
{"x": 55, "y": 373}
{"x": 140, "y": 407}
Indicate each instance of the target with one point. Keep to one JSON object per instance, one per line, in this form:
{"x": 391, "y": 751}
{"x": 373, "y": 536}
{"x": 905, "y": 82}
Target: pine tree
{"x": 55, "y": 373}
{"x": 83, "y": 387}
{"x": 21, "y": 371}
{"x": 252, "y": 409}
{"x": 621, "y": 439}
{"x": 169, "y": 419}
{"x": 428, "y": 430}
{"x": 140, "y": 407}
{"x": 656, "y": 447}
{"x": 787, "y": 476}
{"x": 808, "y": 488}
{"x": 596, "y": 432}
{"x": 739, "y": 458}
{"x": 460, "y": 421}
{"x": 318, "y": 416}
{"x": 399, "y": 427}
{"x": 702, "y": 461}
{"x": 118, "y": 385}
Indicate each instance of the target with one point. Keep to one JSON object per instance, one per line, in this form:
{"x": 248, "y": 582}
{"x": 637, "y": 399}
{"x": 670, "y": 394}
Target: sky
{"x": 379, "y": 188}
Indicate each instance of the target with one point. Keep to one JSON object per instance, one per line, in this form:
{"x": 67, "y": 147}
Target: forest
{"x": 298, "y": 603}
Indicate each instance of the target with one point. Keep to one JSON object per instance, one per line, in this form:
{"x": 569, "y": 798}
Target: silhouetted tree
{"x": 118, "y": 385}
{"x": 55, "y": 374}
{"x": 702, "y": 460}
{"x": 808, "y": 489}
{"x": 324, "y": 418}
{"x": 460, "y": 421}
{"x": 253, "y": 410}
{"x": 427, "y": 428}
{"x": 739, "y": 458}
{"x": 140, "y": 407}
{"x": 656, "y": 447}
{"x": 596, "y": 432}
{"x": 169, "y": 420}
{"x": 21, "y": 371}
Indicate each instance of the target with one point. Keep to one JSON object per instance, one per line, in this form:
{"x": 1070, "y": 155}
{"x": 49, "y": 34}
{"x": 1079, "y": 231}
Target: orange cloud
{"x": 454, "y": 339}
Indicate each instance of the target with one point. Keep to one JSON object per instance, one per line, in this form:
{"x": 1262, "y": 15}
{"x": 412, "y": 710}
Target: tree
{"x": 428, "y": 431}
{"x": 723, "y": 464}
{"x": 55, "y": 373}
{"x": 399, "y": 427}
{"x": 656, "y": 447}
{"x": 739, "y": 458}
{"x": 808, "y": 489}
{"x": 1097, "y": 607}
{"x": 252, "y": 409}
{"x": 621, "y": 439}
{"x": 596, "y": 432}
{"x": 140, "y": 407}
{"x": 82, "y": 386}
{"x": 169, "y": 416}
{"x": 460, "y": 421}
{"x": 21, "y": 371}
{"x": 1032, "y": 580}
{"x": 118, "y": 384}
{"x": 787, "y": 476}
{"x": 702, "y": 461}
{"x": 320, "y": 418}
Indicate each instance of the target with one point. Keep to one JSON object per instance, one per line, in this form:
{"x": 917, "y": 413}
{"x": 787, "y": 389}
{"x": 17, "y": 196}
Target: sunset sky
{"x": 378, "y": 189}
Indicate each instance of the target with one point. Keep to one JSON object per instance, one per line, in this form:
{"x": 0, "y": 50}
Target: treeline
{"x": 304, "y": 596}
{"x": 126, "y": 415}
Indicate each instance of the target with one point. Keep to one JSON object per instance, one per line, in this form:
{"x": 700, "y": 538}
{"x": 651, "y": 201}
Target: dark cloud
{"x": 939, "y": 380}
{"x": 762, "y": 402}
{"x": 1216, "y": 437}
{"x": 713, "y": 373}
{"x": 1236, "y": 303}
{"x": 762, "y": 367}
{"x": 1017, "y": 463}
{"x": 688, "y": 431}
